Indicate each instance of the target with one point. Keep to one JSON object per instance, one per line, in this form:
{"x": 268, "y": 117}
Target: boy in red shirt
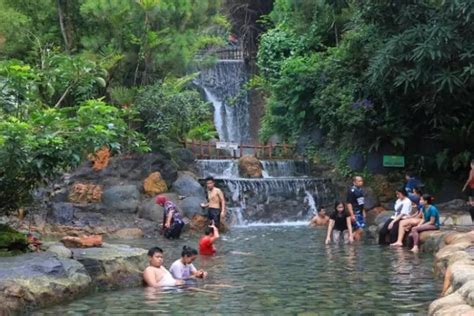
{"x": 206, "y": 246}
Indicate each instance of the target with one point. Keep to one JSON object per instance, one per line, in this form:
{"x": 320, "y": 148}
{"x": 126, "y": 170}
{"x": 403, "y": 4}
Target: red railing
{"x": 209, "y": 150}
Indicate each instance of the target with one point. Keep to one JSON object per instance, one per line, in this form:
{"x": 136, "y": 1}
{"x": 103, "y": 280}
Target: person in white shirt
{"x": 402, "y": 210}
{"x": 183, "y": 268}
{"x": 156, "y": 275}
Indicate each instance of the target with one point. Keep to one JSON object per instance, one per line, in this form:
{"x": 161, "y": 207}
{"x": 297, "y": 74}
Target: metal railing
{"x": 227, "y": 53}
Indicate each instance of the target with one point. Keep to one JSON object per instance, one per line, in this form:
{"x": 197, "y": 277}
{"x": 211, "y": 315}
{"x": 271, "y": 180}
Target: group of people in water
{"x": 183, "y": 270}
{"x": 413, "y": 213}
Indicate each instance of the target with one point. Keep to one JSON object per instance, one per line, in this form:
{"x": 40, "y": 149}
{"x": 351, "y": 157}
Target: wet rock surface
{"x": 36, "y": 280}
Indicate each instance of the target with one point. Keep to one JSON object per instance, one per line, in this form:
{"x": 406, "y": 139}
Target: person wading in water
{"x": 216, "y": 203}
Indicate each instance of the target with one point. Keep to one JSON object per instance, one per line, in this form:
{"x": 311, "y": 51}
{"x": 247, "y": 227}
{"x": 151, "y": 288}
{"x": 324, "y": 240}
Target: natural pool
{"x": 289, "y": 271}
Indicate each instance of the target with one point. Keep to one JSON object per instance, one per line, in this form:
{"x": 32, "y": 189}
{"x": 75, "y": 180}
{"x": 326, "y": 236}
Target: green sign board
{"x": 394, "y": 161}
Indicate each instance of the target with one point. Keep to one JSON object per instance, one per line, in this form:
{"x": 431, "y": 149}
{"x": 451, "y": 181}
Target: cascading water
{"x": 285, "y": 194}
{"x": 223, "y": 86}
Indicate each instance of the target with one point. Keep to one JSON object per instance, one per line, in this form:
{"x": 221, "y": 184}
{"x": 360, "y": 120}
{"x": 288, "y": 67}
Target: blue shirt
{"x": 411, "y": 184}
{"x": 432, "y": 211}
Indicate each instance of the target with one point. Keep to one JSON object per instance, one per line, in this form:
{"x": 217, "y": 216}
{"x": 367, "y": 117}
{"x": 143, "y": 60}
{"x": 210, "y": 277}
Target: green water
{"x": 289, "y": 271}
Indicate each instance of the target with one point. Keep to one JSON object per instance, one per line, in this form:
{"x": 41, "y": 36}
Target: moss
{"x": 10, "y": 239}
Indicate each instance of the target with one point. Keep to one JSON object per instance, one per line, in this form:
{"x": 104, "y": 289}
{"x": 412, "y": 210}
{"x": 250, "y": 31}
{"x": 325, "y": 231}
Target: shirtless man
{"x": 216, "y": 203}
{"x": 320, "y": 219}
{"x": 156, "y": 275}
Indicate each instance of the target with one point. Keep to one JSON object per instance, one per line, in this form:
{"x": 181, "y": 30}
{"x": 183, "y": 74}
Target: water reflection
{"x": 281, "y": 270}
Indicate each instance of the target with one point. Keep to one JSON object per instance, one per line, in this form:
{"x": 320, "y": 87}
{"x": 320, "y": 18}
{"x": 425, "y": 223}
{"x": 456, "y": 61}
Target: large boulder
{"x": 187, "y": 185}
{"x": 36, "y": 280}
{"x": 121, "y": 198}
{"x": 61, "y": 213}
{"x": 250, "y": 167}
{"x": 154, "y": 184}
{"x": 149, "y": 210}
{"x": 191, "y": 206}
{"x": 60, "y": 250}
{"x": 113, "y": 266}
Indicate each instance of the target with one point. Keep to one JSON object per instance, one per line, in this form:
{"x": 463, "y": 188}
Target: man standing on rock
{"x": 216, "y": 203}
{"x": 355, "y": 205}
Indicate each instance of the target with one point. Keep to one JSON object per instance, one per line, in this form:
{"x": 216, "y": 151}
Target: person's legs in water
{"x": 393, "y": 234}
{"x": 174, "y": 231}
{"x": 415, "y": 234}
{"x": 345, "y": 235}
{"x": 336, "y": 236}
{"x": 384, "y": 232}
{"x": 214, "y": 214}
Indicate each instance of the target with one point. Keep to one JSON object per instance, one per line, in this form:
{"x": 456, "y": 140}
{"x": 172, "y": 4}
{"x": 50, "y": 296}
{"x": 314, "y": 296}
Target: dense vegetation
{"x": 393, "y": 77}
{"x": 79, "y": 75}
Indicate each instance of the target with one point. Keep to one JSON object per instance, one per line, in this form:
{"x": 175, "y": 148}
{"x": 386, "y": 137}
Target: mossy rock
{"x": 11, "y": 239}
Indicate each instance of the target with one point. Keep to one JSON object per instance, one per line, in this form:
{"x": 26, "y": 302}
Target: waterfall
{"x": 217, "y": 168}
{"x": 284, "y": 168}
{"x": 223, "y": 85}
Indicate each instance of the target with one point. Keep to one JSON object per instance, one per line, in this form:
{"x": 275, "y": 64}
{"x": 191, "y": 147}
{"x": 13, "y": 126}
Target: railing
{"x": 210, "y": 150}
{"x": 228, "y": 53}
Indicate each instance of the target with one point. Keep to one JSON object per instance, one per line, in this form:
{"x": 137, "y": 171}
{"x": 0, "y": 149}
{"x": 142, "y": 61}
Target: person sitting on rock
{"x": 430, "y": 221}
{"x": 183, "y": 269}
{"x": 340, "y": 225}
{"x": 156, "y": 275}
{"x": 206, "y": 243}
{"x": 320, "y": 219}
{"x": 172, "y": 220}
{"x": 402, "y": 210}
{"x": 408, "y": 222}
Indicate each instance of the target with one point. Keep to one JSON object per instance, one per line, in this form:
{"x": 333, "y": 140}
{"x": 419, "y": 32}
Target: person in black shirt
{"x": 355, "y": 205}
{"x": 339, "y": 225}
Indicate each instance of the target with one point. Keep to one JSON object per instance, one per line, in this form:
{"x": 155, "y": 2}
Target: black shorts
{"x": 174, "y": 231}
{"x": 214, "y": 214}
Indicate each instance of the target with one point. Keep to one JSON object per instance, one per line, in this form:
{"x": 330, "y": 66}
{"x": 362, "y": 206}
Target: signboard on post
{"x": 227, "y": 145}
{"x": 394, "y": 161}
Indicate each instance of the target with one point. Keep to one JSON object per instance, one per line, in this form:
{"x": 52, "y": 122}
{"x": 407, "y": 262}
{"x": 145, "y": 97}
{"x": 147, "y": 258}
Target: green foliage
{"x": 169, "y": 111}
{"x": 204, "y": 131}
{"x": 373, "y": 76}
{"x": 53, "y": 140}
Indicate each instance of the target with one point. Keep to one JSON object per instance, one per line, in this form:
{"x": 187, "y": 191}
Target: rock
{"x": 154, "y": 184}
{"x": 373, "y": 213}
{"x": 183, "y": 157}
{"x": 445, "y": 302}
{"x": 148, "y": 209}
{"x": 121, "y": 198}
{"x": 453, "y": 205}
{"x": 199, "y": 223}
{"x": 457, "y": 310}
{"x": 61, "y": 213}
{"x": 188, "y": 186}
{"x": 82, "y": 242}
{"x": 370, "y": 199}
{"x": 10, "y": 239}
{"x": 461, "y": 273}
{"x": 113, "y": 266}
{"x": 128, "y": 233}
{"x": 85, "y": 193}
{"x": 456, "y": 237}
{"x": 467, "y": 292}
{"x": 191, "y": 206}
{"x": 60, "y": 250}
{"x": 432, "y": 240}
{"x": 39, "y": 279}
{"x": 100, "y": 159}
{"x": 382, "y": 218}
{"x": 250, "y": 167}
